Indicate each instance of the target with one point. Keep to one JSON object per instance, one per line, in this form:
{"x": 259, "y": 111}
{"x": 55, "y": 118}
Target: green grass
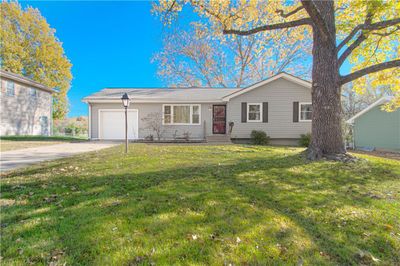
{"x": 10, "y": 143}
{"x": 41, "y": 138}
{"x": 201, "y": 205}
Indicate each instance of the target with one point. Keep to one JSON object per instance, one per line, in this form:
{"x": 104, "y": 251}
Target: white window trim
{"x": 248, "y": 113}
{"x": 303, "y": 120}
{"x": 172, "y": 115}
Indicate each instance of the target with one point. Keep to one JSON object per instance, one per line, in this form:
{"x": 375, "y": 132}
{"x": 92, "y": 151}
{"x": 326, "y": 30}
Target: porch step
{"x": 218, "y": 139}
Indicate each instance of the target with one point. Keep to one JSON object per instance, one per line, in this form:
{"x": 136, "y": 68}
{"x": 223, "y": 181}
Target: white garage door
{"x": 112, "y": 124}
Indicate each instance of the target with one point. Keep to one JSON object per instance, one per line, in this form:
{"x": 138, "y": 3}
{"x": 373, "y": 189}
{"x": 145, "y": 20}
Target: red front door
{"x": 219, "y": 119}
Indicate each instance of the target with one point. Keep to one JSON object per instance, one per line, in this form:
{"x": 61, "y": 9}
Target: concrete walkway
{"x": 11, "y": 160}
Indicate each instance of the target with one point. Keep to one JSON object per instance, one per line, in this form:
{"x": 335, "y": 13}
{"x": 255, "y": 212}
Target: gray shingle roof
{"x": 163, "y": 94}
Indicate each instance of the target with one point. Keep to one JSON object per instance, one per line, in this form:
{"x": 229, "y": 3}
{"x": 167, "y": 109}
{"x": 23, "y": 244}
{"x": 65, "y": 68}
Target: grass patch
{"x": 9, "y": 143}
{"x": 199, "y": 205}
{"x": 42, "y": 138}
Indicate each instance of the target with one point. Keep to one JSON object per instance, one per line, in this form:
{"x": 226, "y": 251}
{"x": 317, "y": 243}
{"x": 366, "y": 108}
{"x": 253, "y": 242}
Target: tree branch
{"x": 369, "y": 27}
{"x": 386, "y": 33}
{"x": 282, "y": 14}
{"x": 283, "y": 25}
{"x": 368, "y": 70}
{"x": 367, "y": 21}
{"x": 316, "y": 17}
{"x": 363, "y": 36}
{"x": 350, "y": 49}
{"x": 169, "y": 10}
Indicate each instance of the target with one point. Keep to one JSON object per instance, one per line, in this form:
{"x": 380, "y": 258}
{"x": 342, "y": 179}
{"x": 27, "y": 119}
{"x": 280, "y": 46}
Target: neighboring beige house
{"x": 26, "y": 106}
{"x": 280, "y": 106}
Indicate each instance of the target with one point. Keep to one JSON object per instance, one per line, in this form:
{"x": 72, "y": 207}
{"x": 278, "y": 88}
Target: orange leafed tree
{"x": 29, "y": 47}
{"x": 364, "y": 32}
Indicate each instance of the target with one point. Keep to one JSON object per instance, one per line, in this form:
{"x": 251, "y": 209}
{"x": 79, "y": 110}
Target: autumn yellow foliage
{"x": 29, "y": 47}
{"x": 380, "y": 45}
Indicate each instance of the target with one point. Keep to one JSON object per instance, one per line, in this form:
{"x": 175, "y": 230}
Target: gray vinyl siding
{"x": 280, "y": 95}
{"x": 21, "y": 113}
{"x": 144, "y": 109}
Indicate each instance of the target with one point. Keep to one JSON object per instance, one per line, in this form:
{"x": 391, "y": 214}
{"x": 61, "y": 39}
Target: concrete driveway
{"x": 11, "y": 160}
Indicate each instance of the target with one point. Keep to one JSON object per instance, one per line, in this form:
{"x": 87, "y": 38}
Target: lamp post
{"x": 125, "y": 103}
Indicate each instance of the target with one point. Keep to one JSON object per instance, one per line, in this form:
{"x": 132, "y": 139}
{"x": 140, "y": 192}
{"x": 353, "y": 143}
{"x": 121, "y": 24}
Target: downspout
{"x": 51, "y": 114}
{"x": 353, "y": 142}
{"x": 354, "y": 136}
{"x": 90, "y": 122}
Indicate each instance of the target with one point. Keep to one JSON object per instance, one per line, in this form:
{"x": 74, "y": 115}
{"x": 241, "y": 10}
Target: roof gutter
{"x": 151, "y": 101}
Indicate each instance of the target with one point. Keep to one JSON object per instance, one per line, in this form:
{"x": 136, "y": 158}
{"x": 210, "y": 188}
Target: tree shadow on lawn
{"x": 254, "y": 211}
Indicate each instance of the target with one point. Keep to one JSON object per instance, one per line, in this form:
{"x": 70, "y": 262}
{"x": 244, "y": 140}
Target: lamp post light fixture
{"x": 125, "y": 103}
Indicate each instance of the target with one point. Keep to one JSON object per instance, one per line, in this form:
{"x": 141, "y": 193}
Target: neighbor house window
{"x": 305, "y": 111}
{"x": 254, "y": 111}
{"x": 10, "y": 88}
{"x": 181, "y": 114}
{"x": 32, "y": 92}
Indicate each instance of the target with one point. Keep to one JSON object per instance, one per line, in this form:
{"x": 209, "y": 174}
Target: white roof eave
{"x": 378, "y": 102}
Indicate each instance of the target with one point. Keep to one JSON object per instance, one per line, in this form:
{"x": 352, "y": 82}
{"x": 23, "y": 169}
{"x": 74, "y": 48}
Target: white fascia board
{"x": 378, "y": 102}
{"x": 149, "y": 101}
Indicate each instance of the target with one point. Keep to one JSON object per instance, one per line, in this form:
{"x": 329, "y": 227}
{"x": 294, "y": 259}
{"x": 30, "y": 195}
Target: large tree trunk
{"x": 326, "y": 117}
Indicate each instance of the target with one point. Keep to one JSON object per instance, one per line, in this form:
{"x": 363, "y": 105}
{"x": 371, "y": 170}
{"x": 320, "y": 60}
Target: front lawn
{"x": 9, "y": 143}
{"x": 177, "y": 204}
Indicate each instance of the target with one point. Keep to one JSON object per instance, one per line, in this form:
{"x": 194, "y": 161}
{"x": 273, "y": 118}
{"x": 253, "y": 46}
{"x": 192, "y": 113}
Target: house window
{"x": 167, "y": 114}
{"x": 33, "y": 92}
{"x": 10, "y": 88}
{"x": 196, "y": 114}
{"x": 305, "y": 111}
{"x": 181, "y": 114}
{"x": 254, "y": 111}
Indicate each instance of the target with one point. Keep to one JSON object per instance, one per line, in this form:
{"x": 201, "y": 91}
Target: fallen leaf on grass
{"x": 300, "y": 262}
{"x": 366, "y": 257}
{"x": 192, "y": 237}
{"x": 388, "y": 227}
{"x": 55, "y": 257}
{"x": 50, "y": 199}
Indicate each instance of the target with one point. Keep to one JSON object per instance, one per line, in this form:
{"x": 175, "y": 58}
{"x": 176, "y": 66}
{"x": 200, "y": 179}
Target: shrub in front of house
{"x": 259, "y": 137}
{"x": 305, "y": 140}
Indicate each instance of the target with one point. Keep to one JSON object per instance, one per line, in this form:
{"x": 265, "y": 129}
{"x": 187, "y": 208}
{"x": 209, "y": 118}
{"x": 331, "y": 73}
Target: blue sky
{"x": 110, "y": 44}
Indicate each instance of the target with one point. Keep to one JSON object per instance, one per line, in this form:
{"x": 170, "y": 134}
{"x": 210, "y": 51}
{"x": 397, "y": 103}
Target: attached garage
{"x": 112, "y": 124}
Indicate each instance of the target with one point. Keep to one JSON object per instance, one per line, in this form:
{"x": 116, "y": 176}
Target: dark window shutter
{"x": 265, "y": 112}
{"x": 295, "y": 111}
{"x": 244, "y": 112}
